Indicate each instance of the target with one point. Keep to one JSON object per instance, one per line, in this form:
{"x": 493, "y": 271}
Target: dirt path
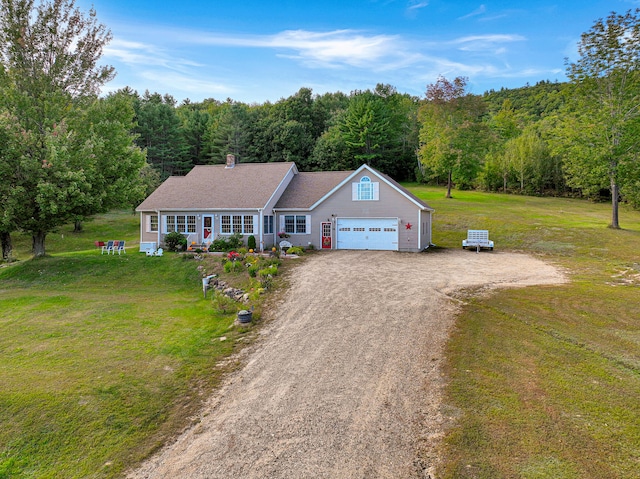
{"x": 346, "y": 382}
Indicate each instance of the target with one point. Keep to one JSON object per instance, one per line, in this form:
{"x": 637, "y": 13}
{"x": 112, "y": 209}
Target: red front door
{"x": 326, "y": 235}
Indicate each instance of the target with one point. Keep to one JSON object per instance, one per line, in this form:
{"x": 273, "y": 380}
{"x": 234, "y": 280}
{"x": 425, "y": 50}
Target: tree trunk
{"x": 449, "y": 185}
{"x": 38, "y": 244}
{"x": 614, "y": 205}
{"x": 7, "y": 246}
{"x": 77, "y": 226}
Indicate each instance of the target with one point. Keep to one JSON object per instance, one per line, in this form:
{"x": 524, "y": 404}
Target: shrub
{"x": 175, "y": 241}
{"x": 295, "y": 250}
{"x": 218, "y": 244}
{"x": 232, "y": 266}
{"x": 250, "y": 260}
{"x": 235, "y": 241}
{"x": 271, "y": 261}
{"x": 251, "y": 242}
{"x": 223, "y": 303}
{"x": 253, "y": 270}
{"x": 268, "y": 271}
{"x": 227, "y": 243}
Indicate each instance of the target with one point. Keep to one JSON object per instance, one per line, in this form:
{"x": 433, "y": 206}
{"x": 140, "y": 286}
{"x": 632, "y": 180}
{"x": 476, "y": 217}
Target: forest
{"x": 511, "y": 140}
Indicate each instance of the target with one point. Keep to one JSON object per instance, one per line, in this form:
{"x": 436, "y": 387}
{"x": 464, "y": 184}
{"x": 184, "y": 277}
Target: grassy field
{"x": 102, "y": 357}
{"x": 544, "y": 382}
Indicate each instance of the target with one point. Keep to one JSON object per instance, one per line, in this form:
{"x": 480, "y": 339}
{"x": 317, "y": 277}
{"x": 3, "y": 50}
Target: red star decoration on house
{"x": 408, "y": 226}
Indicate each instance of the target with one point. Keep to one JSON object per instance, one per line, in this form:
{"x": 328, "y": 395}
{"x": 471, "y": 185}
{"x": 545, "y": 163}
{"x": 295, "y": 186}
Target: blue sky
{"x": 257, "y": 51}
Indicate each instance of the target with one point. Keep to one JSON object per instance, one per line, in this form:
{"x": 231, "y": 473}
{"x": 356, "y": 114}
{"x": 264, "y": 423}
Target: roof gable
{"x": 388, "y": 180}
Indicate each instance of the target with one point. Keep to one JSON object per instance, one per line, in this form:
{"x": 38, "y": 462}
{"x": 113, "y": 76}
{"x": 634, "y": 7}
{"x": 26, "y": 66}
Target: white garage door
{"x": 368, "y": 233}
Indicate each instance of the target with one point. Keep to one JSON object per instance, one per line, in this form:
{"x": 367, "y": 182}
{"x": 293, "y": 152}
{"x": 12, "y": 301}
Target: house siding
{"x": 391, "y": 204}
{"x": 267, "y": 190}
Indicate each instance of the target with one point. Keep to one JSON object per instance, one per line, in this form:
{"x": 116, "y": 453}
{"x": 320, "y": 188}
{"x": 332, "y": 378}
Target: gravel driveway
{"x": 346, "y": 381}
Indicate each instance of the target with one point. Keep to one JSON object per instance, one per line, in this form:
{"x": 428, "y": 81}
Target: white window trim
{"x": 243, "y": 224}
{"x": 149, "y": 223}
{"x": 356, "y": 189}
{"x": 307, "y": 221}
{"x": 187, "y": 224}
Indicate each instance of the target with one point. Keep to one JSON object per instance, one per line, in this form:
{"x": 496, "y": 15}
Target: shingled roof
{"x": 245, "y": 186}
{"x": 307, "y": 188}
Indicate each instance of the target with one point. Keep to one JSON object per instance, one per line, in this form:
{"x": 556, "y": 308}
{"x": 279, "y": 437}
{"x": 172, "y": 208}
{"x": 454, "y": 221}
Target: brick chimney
{"x": 231, "y": 161}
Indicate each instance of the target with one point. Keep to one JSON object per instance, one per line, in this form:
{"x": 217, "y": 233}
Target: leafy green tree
{"x": 10, "y": 152}
{"x": 49, "y": 78}
{"x": 330, "y": 152}
{"x": 505, "y": 126}
{"x": 288, "y": 129}
{"x": 606, "y": 98}
{"x": 453, "y": 138}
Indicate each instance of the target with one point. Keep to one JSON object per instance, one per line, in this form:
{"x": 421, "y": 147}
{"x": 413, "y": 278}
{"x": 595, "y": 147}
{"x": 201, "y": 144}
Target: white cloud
{"x": 478, "y": 11}
{"x": 414, "y": 8}
{"x": 416, "y": 5}
{"x": 321, "y": 49}
{"x": 480, "y": 43}
{"x": 138, "y": 53}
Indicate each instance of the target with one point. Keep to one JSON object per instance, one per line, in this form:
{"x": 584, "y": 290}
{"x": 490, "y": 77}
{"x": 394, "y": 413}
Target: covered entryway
{"x": 367, "y": 233}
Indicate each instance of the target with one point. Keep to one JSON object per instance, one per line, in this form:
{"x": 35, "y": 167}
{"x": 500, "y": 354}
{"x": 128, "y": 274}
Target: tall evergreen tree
{"x": 159, "y": 132}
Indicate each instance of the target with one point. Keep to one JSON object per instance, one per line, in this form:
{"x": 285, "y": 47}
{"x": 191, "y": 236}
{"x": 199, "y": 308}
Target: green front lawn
{"x": 544, "y": 382}
{"x": 103, "y": 356}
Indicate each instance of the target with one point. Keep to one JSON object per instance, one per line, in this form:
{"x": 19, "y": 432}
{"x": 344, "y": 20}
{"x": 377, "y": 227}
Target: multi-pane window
{"x": 295, "y": 224}
{"x": 181, "y": 223}
{"x": 365, "y": 190}
{"x": 191, "y": 224}
{"x": 242, "y": 224}
{"x": 268, "y": 225}
{"x": 301, "y": 224}
{"x": 153, "y": 223}
{"x": 225, "y": 224}
{"x": 237, "y": 224}
{"x": 248, "y": 224}
{"x": 171, "y": 224}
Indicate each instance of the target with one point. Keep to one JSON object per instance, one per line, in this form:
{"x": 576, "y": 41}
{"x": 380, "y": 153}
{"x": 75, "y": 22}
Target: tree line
{"x": 575, "y": 138}
{"x": 334, "y": 131}
{"x": 67, "y": 154}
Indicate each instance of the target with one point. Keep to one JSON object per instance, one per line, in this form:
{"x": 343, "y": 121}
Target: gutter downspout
{"x": 276, "y": 226}
{"x": 159, "y": 228}
{"x": 261, "y": 228}
{"x": 420, "y": 230}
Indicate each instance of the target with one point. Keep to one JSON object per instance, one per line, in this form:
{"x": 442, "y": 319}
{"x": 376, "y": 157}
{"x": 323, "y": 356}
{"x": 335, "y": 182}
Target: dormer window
{"x": 365, "y": 190}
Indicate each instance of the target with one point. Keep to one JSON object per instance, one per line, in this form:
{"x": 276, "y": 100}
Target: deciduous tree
{"x": 49, "y": 79}
{"x": 452, "y": 135}
{"x": 606, "y": 96}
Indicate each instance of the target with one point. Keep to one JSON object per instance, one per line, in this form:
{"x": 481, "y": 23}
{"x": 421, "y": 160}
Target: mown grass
{"x": 544, "y": 382}
{"x": 102, "y": 356}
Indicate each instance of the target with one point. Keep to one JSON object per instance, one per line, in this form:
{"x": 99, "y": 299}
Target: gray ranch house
{"x": 361, "y": 209}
